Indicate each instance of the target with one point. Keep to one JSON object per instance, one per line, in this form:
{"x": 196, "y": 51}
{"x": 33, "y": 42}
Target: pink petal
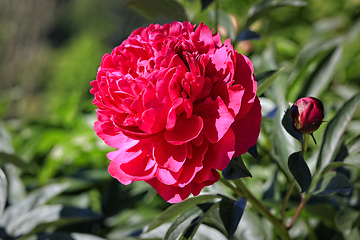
{"x": 217, "y": 118}
{"x": 176, "y": 194}
{"x": 170, "y": 156}
{"x": 185, "y": 130}
{"x": 217, "y": 157}
{"x": 247, "y": 129}
{"x": 244, "y": 75}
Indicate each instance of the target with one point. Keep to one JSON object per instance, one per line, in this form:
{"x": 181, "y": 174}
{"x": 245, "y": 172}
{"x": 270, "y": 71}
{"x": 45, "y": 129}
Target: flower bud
{"x": 307, "y": 114}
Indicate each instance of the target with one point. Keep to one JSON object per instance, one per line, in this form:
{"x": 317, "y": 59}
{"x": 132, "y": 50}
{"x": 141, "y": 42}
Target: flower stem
{"x": 229, "y": 185}
{"x": 286, "y": 200}
{"x": 280, "y": 228}
{"x": 306, "y": 142}
{"x": 217, "y": 9}
{"x": 304, "y": 200}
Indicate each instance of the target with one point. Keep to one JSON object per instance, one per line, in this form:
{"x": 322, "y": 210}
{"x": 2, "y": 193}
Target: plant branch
{"x": 280, "y": 228}
{"x": 229, "y": 185}
{"x": 286, "y": 200}
{"x": 304, "y": 199}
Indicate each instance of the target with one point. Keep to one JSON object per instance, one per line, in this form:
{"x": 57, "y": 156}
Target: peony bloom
{"x": 307, "y": 114}
{"x": 177, "y": 104}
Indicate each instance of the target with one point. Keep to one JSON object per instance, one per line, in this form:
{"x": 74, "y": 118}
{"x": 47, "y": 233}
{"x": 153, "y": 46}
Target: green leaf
{"x": 181, "y": 223}
{"x": 332, "y": 182}
{"x": 324, "y": 73}
{"x": 155, "y": 10}
{"x": 236, "y": 169}
{"x": 300, "y": 170}
{"x": 254, "y": 152}
{"x": 37, "y": 198}
{"x": 345, "y": 218}
{"x": 230, "y": 213}
{"x": 266, "y": 79}
{"x": 351, "y": 161}
{"x": 179, "y": 208}
{"x": 266, "y": 6}
{"x": 3, "y": 191}
{"x": 351, "y": 147}
{"x": 9, "y": 158}
{"x": 289, "y": 127}
{"x": 335, "y": 130}
{"x": 323, "y": 211}
{"x": 62, "y": 236}
{"x": 195, "y": 224}
{"x": 205, "y": 4}
{"x": 44, "y": 216}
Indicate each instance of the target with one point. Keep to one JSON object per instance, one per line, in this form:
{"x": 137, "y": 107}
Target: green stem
{"x": 217, "y": 8}
{"x": 281, "y": 229}
{"x": 229, "y": 185}
{"x": 286, "y": 200}
{"x": 306, "y": 142}
{"x": 304, "y": 200}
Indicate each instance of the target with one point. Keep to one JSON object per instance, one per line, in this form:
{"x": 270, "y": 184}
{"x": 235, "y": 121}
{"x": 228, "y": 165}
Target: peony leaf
{"x": 266, "y": 6}
{"x": 179, "y": 208}
{"x": 324, "y": 73}
{"x": 64, "y": 236}
{"x": 335, "y": 130}
{"x": 332, "y": 182}
{"x": 247, "y": 34}
{"x": 266, "y": 79}
{"x": 195, "y": 224}
{"x": 181, "y": 223}
{"x": 236, "y": 169}
{"x": 167, "y": 11}
{"x": 300, "y": 170}
{"x": 289, "y": 127}
{"x": 33, "y": 200}
{"x": 253, "y": 152}
{"x": 205, "y": 4}
{"x": 44, "y": 216}
{"x": 9, "y": 158}
{"x": 345, "y": 218}
{"x": 3, "y": 191}
{"x": 351, "y": 147}
{"x": 230, "y": 213}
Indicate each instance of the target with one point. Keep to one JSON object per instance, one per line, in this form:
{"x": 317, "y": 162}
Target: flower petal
{"x": 185, "y": 130}
{"x": 247, "y": 129}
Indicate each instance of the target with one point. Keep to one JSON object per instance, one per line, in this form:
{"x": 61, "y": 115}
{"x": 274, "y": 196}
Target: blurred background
{"x": 50, "y": 51}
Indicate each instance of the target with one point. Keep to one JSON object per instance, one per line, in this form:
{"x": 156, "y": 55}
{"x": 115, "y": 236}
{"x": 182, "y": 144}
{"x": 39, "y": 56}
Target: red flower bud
{"x": 307, "y": 114}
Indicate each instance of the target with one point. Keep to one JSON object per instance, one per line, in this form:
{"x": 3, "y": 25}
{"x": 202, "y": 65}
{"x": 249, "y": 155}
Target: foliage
{"x": 53, "y": 169}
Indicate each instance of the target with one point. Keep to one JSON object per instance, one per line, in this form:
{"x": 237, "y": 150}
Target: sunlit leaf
{"x": 195, "y": 224}
{"x": 179, "y": 208}
{"x": 335, "y": 130}
{"x": 266, "y": 79}
{"x": 266, "y": 6}
{"x": 181, "y": 223}
{"x": 236, "y": 169}
{"x": 323, "y": 73}
{"x": 33, "y": 200}
{"x": 332, "y": 182}
{"x": 44, "y": 216}
{"x": 231, "y": 212}
{"x": 300, "y": 170}
{"x": 351, "y": 147}
{"x": 3, "y": 191}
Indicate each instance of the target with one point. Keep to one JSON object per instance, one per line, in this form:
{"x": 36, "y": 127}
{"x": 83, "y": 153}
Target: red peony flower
{"x": 178, "y": 105}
